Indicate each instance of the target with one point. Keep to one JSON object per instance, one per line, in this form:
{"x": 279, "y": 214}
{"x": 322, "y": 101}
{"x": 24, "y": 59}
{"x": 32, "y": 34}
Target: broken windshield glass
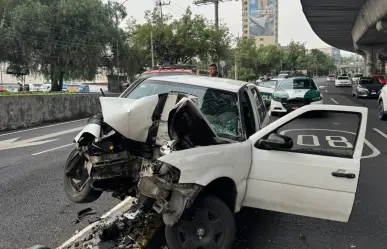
{"x": 219, "y": 107}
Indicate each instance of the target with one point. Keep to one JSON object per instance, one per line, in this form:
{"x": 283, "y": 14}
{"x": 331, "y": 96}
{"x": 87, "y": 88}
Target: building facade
{"x": 332, "y": 52}
{"x": 260, "y": 20}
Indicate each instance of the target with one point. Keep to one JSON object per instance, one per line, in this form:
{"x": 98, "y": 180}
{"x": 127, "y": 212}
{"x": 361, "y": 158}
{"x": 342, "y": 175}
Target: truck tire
{"x": 85, "y": 195}
{"x": 208, "y": 223}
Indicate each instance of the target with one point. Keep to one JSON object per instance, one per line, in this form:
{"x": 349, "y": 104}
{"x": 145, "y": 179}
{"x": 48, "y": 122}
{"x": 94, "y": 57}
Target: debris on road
{"x": 125, "y": 231}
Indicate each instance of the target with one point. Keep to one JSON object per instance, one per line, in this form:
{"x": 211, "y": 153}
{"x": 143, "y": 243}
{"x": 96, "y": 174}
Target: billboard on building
{"x": 262, "y": 17}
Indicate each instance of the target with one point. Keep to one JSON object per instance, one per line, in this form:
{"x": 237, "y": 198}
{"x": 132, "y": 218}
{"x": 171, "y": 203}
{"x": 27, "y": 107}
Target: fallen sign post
{"x": 119, "y": 228}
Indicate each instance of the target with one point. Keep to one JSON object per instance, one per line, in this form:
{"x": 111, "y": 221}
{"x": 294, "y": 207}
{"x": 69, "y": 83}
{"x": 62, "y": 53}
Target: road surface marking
{"x": 326, "y": 91}
{"x": 381, "y": 133}
{"x": 375, "y": 151}
{"x": 41, "y": 127}
{"x": 45, "y": 151}
{"x": 12, "y": 143}
{"x": 335, "y": 101}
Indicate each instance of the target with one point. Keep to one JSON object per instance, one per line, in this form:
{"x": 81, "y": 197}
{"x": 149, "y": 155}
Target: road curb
{"x": 110, "y": 216}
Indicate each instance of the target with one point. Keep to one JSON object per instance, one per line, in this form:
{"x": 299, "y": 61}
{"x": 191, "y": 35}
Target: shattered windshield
{"x": 219, "y": 107}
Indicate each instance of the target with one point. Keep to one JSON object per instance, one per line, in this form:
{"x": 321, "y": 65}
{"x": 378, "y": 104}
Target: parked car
{"x": 266, "y": 89}
{"x": 331, "y": 78}
{"x": 46, "y": 87}
{"x": 294, "y": 93}
{"x": 166, "y": 71}
{"x": 356, "y": 77}
{"x": 382, "y": 78}
{"x": 83, "y": 89}
{"x": 343, "y": 81}
{"x": 34, "y": 87}
{"x": 382, "y": 103}
{"x": 366, "y": 87}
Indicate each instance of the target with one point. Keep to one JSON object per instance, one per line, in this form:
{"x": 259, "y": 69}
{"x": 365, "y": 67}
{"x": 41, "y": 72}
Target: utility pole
{"x": 152, "y": 51}
{"x": 160, "y": 4}
{"x": 216, "y": 3}
{"x": 118, "y": 49}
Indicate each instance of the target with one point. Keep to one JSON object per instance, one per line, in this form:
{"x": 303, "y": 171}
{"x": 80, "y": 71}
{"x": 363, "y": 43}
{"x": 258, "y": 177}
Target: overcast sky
{"x": 292, "y": 22}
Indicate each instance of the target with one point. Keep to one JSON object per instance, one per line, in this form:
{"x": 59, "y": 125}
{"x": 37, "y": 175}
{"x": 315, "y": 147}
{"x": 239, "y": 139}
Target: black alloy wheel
{"x": 208, "y": 224}
{"x": 76, "y": 184}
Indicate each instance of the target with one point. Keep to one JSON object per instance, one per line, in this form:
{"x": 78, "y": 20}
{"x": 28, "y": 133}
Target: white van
{"x": 45, "y": 87}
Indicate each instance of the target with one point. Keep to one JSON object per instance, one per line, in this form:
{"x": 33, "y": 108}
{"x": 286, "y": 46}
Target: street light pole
{"x": 118, "y": 49}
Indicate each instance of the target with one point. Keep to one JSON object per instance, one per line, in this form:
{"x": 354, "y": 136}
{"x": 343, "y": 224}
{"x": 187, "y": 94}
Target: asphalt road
{"x": 35, "y": 210}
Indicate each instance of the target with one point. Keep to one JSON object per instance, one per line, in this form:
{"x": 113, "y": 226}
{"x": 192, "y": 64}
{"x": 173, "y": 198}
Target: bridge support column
{"x": 371, "y": 58}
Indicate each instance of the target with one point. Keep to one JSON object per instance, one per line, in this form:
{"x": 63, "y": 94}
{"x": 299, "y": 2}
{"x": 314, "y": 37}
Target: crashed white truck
{"x": 194, "y": 150}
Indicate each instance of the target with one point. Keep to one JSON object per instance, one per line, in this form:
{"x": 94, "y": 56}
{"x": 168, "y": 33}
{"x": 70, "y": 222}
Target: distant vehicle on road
{"x": 166, "y": 71}
{"x": 343, "y": 81}
{"x": 366, "y": 87}
{"x": 382, "y": 103}
{"x": 34, "y": 87}
{"x": 266, "y": 89}
{"x": 294, "y": 93}
{"x": 283, "y": 75}
{"x": 381, "y": 77}
{"x": 45, "y": 87}
{"x": 83, "y": 89}
{"x": 356, "y": 77}
{"x": 331, "y": 78}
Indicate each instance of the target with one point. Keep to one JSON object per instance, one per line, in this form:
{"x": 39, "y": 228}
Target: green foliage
{"x": 253, "y": 60}
{"x": 180, "y": 40}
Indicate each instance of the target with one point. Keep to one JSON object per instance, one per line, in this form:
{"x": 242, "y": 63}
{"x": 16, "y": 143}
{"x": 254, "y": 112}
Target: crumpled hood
{"x": 157, "y": 118}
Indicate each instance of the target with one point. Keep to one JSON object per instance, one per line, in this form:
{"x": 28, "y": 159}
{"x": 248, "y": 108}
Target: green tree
{"x": 294, "y": 55}
{"x": 63, "y": 39}
{"x": 180, "y": 40}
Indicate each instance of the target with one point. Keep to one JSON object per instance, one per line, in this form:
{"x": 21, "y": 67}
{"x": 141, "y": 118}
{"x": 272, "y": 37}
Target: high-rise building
{"x": 260, "y": 20}
{"x": 332, "y": 52}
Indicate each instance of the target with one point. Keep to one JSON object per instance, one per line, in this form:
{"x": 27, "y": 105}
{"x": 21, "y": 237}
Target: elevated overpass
{"x": 354, "y": 25}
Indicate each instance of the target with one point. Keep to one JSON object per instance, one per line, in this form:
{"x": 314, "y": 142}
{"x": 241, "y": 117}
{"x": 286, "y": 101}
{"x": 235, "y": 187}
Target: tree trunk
{"x": 54, "y": 79}
{"x": 60, "y": 83}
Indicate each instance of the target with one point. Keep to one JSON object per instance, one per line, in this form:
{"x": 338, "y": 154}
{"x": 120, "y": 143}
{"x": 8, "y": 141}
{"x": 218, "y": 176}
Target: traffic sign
{"x": 222, "y": 63}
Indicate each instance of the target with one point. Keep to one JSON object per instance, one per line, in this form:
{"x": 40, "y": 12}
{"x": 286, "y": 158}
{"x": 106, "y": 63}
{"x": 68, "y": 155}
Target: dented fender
{"x": 203, "y": 165}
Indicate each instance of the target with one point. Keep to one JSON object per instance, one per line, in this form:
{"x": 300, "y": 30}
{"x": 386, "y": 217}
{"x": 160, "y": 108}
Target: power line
{"x": 216, "y": 3}
{"x": 160, "y": 4}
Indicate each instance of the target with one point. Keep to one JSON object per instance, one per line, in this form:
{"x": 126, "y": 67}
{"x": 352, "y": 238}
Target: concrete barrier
{"x": 23, "y": 111}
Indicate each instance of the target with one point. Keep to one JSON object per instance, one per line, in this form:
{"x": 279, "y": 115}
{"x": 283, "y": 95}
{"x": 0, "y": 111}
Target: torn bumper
{"x": 171, "y": 199}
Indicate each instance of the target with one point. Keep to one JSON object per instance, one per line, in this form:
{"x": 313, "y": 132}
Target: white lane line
{"x": 42, "y": 127}
{"x": 375, "y": 151}
{"x": 326, "y": 91}
{"x": 381, "y": 133}
{"x": 335, "y": 101}
{"x": 45, "y": 151}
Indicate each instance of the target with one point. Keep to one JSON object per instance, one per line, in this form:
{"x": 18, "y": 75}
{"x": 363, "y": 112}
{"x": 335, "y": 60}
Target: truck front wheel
{"x": 207, "y": 224}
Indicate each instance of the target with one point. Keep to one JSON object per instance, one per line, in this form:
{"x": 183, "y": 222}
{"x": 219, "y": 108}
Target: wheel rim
{"x": 78, "y": 177}
{"x": 205, "y": 230}
{"x": 381, "y": 111}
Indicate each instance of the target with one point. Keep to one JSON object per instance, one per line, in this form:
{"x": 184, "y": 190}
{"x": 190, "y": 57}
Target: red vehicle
{"x": 381, "y": 77}
{"x": 167, "y": 71}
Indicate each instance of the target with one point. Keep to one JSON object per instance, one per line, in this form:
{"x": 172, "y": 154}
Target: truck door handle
{"x": 345, "y": 175}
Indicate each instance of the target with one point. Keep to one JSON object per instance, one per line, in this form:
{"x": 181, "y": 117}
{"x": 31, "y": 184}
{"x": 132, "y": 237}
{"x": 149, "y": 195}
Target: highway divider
{"x": 24, "y": 111}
